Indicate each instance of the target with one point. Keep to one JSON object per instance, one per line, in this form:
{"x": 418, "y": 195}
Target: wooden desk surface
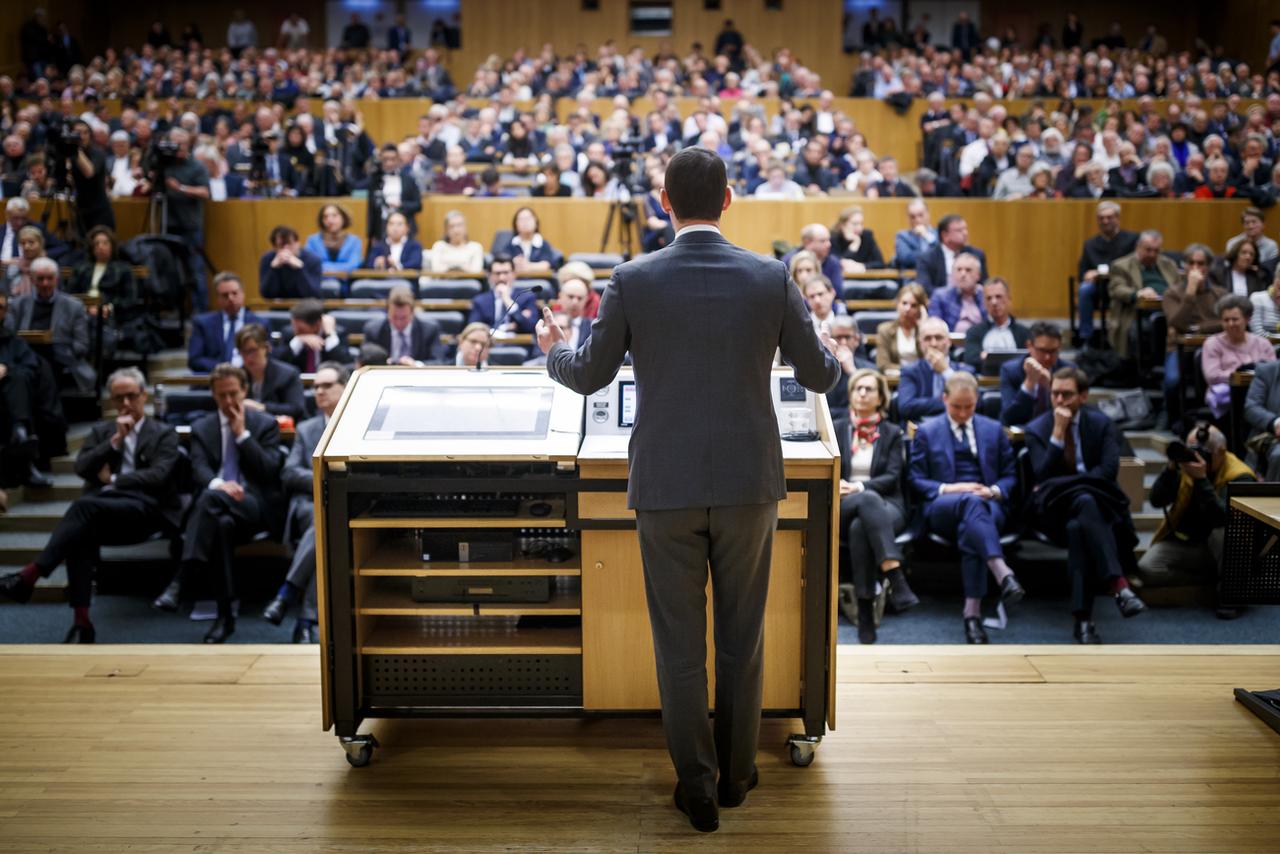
{"x": 36, "y": 336}
{"x": 1265, "y": 509}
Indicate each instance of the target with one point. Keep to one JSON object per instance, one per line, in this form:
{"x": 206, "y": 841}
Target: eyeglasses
{"x": 839, "y": 336}
{"x": 126, "y": 397}
{"x": 323, "y": 386}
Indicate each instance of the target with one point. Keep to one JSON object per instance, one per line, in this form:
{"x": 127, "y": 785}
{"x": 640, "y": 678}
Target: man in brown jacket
{"x": 1188, "y": 309}
{"x": 1145, "y": 274}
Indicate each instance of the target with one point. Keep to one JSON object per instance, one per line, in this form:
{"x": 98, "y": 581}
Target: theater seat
{"x": 506, "y": 354}
{"x": 276, "y": 321}
{"x": 353, "y": 320}
{"x": 871, "y": 289}
{"x": 868, "y": 321}
{"x": 597, "y": 260}
{"x": 331, "y": 289}
{"x": 448, "y": 288}
{"x": 376, "y": 288}
{"x": 450, "y": 322}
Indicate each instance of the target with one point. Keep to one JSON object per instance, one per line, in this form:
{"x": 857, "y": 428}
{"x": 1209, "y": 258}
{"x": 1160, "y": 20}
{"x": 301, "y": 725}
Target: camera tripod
{"x": 623, "y": 209}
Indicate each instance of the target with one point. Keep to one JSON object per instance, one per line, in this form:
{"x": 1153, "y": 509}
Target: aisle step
{"x": 20, "y": 548}
{"x": 66, "y": 487}
{"x": 34, "y": 516}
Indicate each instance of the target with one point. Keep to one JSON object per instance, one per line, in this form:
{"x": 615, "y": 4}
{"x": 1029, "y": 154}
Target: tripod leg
{"x": 608, "y": 226}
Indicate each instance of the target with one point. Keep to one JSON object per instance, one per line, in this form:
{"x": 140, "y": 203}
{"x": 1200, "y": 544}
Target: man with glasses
{"x": 64, "y": 317}
{"x": 498, "y": 307}
{"x": 1025, "y": 385}
{"x": 848, "y": 341}
{"x": 128, "y": 465}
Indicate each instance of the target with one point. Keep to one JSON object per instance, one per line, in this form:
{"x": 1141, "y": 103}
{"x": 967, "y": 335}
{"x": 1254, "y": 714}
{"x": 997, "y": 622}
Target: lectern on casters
{"x": 476, "y": 557}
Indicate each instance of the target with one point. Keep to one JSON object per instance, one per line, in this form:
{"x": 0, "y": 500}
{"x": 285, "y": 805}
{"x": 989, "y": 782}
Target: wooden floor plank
{"x": 1206, "y": 669}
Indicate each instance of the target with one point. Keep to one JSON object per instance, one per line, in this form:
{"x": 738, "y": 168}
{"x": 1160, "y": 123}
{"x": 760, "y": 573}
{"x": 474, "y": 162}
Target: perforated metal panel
{"x": 446, "y": 680}
{"x": 1250, "y": 562}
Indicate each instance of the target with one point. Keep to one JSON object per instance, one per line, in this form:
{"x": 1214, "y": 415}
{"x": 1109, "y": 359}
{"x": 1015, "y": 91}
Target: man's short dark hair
{"x": 309, "y": 311}
{"x": 501, "y": 258}
{"x": 1079, "y": 377}
{"x": 255, "y": 332}
{"x": 343, "y": 372}
{"x": 695, "y": 184}
{"x": 372, "y": 354}
{"x": 1044, "y": 329}
{"x": 227, "y": 276}
{"x": 283, "y": 234}
{"x": 947, "y": 221}
{"x": 226, "y": 370}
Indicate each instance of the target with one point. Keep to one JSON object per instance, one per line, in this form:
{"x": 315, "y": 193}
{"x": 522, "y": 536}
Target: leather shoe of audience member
{"x": 81, "y": 634}
{"x": 275, "y": 610}
{"x": 901, "y": 596}
{"x": 36, "y": 479}
{"x": 305, "y": 633}
{"x": 733, "y": 796}
{"x": 1129, "y": 603}
{"x": 703, "y": 813}
{"x": 1011, "y": 591}
{"x": 13, "y": 586}
{"x": 222, "y": 628}
{"x": 1086, "y": 632}
{"x": 973, "y": 630}
{"x": 168, "y": 599}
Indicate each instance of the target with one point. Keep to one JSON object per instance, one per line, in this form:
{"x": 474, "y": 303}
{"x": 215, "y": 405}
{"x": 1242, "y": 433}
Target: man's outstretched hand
{"x": 548, "y": 332}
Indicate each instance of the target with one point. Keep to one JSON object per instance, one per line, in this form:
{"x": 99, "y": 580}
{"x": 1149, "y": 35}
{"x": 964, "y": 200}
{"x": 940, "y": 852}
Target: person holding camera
{"x": 1192, "y": 491}
{"x": 186, "y": 187}
{"x": 87, "y": 166}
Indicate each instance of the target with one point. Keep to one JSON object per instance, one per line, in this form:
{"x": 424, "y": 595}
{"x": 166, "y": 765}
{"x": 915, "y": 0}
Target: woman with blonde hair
{"x": 898, "y": 341}
{"x": 804, "y": 266}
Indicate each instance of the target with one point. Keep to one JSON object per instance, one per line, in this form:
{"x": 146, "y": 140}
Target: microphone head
{"x": 535, "y": 289}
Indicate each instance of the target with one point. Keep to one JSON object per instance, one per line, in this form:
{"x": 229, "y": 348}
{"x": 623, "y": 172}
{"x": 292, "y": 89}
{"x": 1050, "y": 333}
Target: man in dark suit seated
{"x": 274, "y": 387}
{"x": 496, "y": 306}
{"x": 962, "y": 468}
{"x": 315, "y": 339}
{"x": 19, "y": 376}
{"x": 235, "y": 463}
{"x": 1025, "y": 385}
{"x": 50, "y": 309}
{"x": 1262, "y": 412}
{"x": 922, "y": 383}
{"x": 397, "y": 251}
{"x": 999, "y": 331}
{"x": 300, "y": 530}
{"x": 408, "y": 338}
{"x": 213, "y": 334}
{"x": 1075, "y": 459}
{"x": 848, "y": 340}
{"x": 933, "y": 267}
{"x": 288, "y": 270}
{"x": 890, "y": 185}
{"x": 128, "y": 465}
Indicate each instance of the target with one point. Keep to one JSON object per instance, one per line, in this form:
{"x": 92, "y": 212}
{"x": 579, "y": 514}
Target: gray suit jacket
{"x": 297, "y": 473}
{"x": 1262, "y": 403}
{"x": 70, "y": 327}
{"x": 701, "y": 319}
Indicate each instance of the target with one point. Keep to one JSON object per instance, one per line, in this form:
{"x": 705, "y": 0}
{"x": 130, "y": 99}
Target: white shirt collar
{"x": 690, "y": 229}
{"x": 955, "y": 425}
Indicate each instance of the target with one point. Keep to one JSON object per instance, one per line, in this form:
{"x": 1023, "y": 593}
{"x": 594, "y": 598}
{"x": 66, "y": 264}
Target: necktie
{"x": 311, "y": 360}
{"x": 1042, "y": 401}
{"x": 130, "y": 450}
{"x": 964, "y": 435}
{"x": 230, "y": 457}
{"x": 229, "y": 341}
{"x": 1069, "y": 450}
{"x": 404, "y": 343}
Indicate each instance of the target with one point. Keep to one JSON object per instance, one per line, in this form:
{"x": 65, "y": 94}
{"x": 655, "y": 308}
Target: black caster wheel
{"x": 361, "y": 757}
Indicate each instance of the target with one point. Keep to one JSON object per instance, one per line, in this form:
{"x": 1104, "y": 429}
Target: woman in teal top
{"x": 339, "y": 251}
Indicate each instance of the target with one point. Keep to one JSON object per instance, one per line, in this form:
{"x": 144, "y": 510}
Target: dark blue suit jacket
{"x": 205, "y": 349}
{"x": 931, "y": 266}
{"x": 290, "y": 283}
{"x": 545, "y": 252}
{"x": 1099, "y": 446}
{"x": 410, "y": 256}
{"x": 945, "y": 303}
{"x": 933, "y": 460}
{"x": 916, "y": 400}
{"x": 525, "y": 315}
{"x": 1016, "y": 406}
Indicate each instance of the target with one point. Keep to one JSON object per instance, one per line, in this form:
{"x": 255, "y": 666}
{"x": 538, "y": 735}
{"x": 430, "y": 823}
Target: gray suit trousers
{"x": 677, "y": 547}
{"x": 302, "y": 569}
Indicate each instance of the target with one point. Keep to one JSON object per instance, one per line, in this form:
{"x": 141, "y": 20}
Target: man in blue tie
{"x": 213, "y": 335}
{"x": 963, "y": 470}
{"x": 1025, "y": 385}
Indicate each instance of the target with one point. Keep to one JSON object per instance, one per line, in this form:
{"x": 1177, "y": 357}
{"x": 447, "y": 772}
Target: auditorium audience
{"x": 289, "y": 271}
{"x": 455, "y": 252}
{"x": 1229, "y": 350}
{"x": 934, "y": 264}
{"x": 1142, "y": 274}
{"x": 1096, "y": 256}
{"x": 962, "y": 470}
{"x": 898, "y": 341}
{"x": 338, "y": 249}
{"x": 274, "y": 387}
{"x": 909, "y": 243}
{"x": 407, "y": 338}
{"x": 998, "y": 330}
{"x": 1025, "y": 386}
{"x": 213, "y": 335}
{"x": 397, "y": 250}
{"x": 777, "y": 185}
{"x": 921, "y": 384}
{"x": 52, "y": 310}
{"x": 854, "y": 244}
{"x": 1237, "y": 272}
{"x": 315, "y": 338}
{"x": 960, "y": 304}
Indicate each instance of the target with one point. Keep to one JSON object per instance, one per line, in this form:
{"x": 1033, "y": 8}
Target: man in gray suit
{"x": 1262, "y": 412}
{"x": 51, "y": 309}
{"x": 706, "y": 462}
{"x": 299, "y": 526}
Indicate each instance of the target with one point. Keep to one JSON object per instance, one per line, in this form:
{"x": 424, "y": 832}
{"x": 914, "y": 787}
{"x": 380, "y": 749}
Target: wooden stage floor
{"x": 939, "y": 749}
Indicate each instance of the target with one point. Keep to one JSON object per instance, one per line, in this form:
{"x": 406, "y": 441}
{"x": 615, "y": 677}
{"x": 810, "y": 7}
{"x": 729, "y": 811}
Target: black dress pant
{"x": 216, "y": 525}
{"x": 16, "y": 392}
{"x": 107, "y": 518}
{"x": 1092, "y": 559}
{"x": 871, "y": 524}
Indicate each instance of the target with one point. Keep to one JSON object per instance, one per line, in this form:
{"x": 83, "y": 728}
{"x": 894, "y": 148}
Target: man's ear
{"x": 728, "y": 198}
{"x": 665, "y": 201}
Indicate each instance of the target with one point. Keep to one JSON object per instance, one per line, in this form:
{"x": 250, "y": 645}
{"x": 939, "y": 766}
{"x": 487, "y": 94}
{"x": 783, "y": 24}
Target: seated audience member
{"x": 821, "y": 298}
{"x": 300, "y": 531}
{"x": 455, "y": 252}
{"x": 963, "y": 470}
{"x": 49, "y": 308}
{"x": 408, "y": 338}
{"x": 960, "y": 304}
{"x": 398, "y": 191}
{"x": 574, "y": 300}
{"x": 397, "y": 250}
{"x": 933, "y": 266}
{"x": 1217, "y": 184}
{"x": 933, "y": 186}
{"x": 803, "y": 266}
{"x": 104, "y": 275}
{"x": 1262, "y": 413}
{"x": 909, "y": 243}
{"x": 872, "y": 512}
{"x": 315, "y": 339}
{"x": 920, "y": 388}
{"x": 1266, "y": 309}
{"x": 497, "y": 307}
{"x": 549, "y": 184}
{"x": 1129, "y": 178}
{"x": 529, "y": 250}
{"x": 1230, "y": 350}
{"x": 853, "y": 244}
{"x": 1143, "y": 274}
{"x": 1189, "y": 306}
{"x": 338, "y": 249}
{"x": 1093, "y": 185}
{"x": 1187, "y": 547}
{"x": 371, "y": 355}
{"x": 491, "y": 185}
{"x": 813, "y": 171}
{"x": 213, "y": 334}
{"x": 454, "y": 179}
{"x": 816, "y": 238}
{"x": 1252, "y": 220}
{"x": 656, "y": 231}
{"x": 288, "y": 271}
{"x": 889, "y": 185}
{"x": 1025, "y": 386}
{"x": 473, "y": 346}
{"x": 17, "y": 275}
{"x": 19, "y": 375}
{"x": 1098, "y": 253}
{"x": 1237, "y": 272}
{"x": 1015, "y": 182}
{"x": 777, "y": 185}
{"x": 1075, "y": 459}
{"x": 898, "y": 341}
{"x": 1163, "y": 183}
{"x": 17, "y": 211}
{"x": 235, "y": 462}
{"x": 128, "y": 465}
{"x": 274, "y": 386}
{"x": 999, "y": 331}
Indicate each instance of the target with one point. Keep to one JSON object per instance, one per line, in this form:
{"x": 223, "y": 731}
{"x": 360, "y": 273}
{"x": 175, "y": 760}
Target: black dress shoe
{"x": 14, "y": 586}
{"x": 274, "y": 612}
{"x": 167, "y": 600}
{"x": 973, "y": 630}
{"x": 1086, "y": 632}
{"x": 733, "y": 796}
{"x": 703, "y": 813}
{"x": 866, "y": 621}
{"x": 1129, "y": 603}
{"x": 1011, "y": 591}
{"x": 304, "y": 632}
{"x": 36, "y": 478}
{"x": 222, "y": 628}
{"x": 901, "y": 596}
{"x": 81, "y": 634}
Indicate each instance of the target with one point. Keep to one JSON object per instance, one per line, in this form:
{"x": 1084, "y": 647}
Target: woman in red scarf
{"x": 871, "y": 507}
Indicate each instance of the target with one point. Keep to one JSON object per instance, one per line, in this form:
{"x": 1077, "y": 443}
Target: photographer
{"x": 186, "y": 187}
{"x": 1192, "y": 490}
{"x": 87, "y": 166}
